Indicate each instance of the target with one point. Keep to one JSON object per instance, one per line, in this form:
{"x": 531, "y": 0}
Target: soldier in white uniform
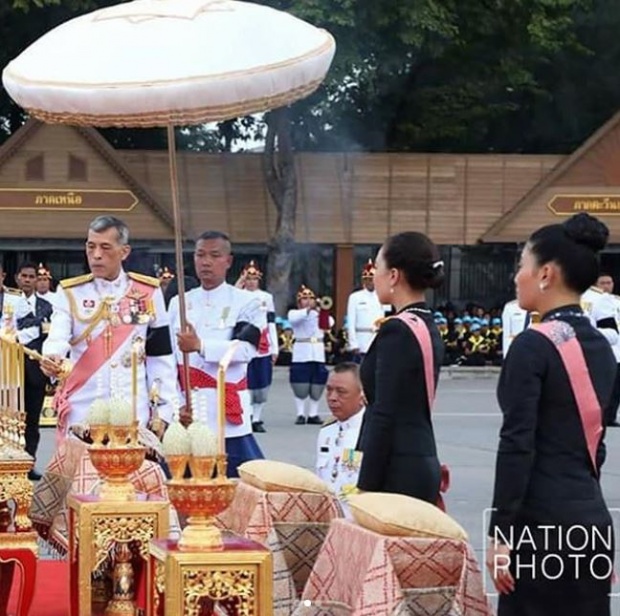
{"x": 363, "y": 310}
{"x": 605, "y": 283}
{"x": 100, "y": 320}
{"x": 337, "y": 457}
{"x": 600, "y": 308}
{"x": 13, "y": 308}
{"x": 219, "y": 314}
{"x": 260, "y": 370}
{"x": 165, "y": 277}
{"x": 514, "y": 321}
{"x": 308, "y": 373}
{"x": 44, "y": 284}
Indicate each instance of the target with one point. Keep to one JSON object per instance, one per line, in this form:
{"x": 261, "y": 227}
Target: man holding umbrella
{"x": 219, "y": 314}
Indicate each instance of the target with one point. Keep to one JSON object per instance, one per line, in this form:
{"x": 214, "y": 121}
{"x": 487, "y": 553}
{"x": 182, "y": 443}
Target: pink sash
{"x": 563, "y": 337}
{"x": 421, "y": 333}
{"x": 91, "y": 360}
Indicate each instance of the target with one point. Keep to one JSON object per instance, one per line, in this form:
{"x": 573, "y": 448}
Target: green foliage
{"x": 415, "y": 75}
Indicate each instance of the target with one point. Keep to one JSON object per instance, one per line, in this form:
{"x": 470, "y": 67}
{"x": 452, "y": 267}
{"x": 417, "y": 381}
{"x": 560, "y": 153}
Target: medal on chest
{"x": 138, "y": 310}
{"x": 224, "y": 317}
{"x": 335, "y": 468}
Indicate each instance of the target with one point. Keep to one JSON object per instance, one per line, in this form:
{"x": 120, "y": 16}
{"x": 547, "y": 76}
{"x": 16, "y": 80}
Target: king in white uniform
{"x": 106, "y": 322}
{"x": 260, "y": 369}
{"x": 363, "y": 310}
{"x": 100, "y": 323}
{"x": 218, "y": 315}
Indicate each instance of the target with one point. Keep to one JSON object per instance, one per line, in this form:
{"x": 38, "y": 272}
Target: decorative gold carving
{"x": 159, "y": 586}
{"x": 17, "y": 487}
{"x": 121, "y": 529}
{"x": 218, "y": 585}
{"x": 25, "y": 540}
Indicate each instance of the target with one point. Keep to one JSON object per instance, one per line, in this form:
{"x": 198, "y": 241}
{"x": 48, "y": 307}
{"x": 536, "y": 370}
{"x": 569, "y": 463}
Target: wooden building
{"x": 55, "y": 179}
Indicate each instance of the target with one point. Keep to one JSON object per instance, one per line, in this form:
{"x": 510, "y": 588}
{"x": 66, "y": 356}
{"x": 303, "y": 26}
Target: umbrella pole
{"x": 178, "y": 250}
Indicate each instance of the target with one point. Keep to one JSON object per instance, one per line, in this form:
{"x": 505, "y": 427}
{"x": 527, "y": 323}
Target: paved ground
{"x": 467, "y": 423}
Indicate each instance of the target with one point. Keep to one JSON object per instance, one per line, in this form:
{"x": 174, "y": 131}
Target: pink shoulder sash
{"x": 563, "y": 337}
{"x": 422, "y": 334}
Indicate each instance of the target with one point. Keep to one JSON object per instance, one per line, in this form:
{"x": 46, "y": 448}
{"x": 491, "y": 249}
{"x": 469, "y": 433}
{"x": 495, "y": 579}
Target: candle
{"x": 221, "y": 394}
{"x": 134, "y": 381}
{"x": 176, "y": 408}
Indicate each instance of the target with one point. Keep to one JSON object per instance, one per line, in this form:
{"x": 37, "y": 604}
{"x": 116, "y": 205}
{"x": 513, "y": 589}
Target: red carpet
{"x": 51, "y": 597}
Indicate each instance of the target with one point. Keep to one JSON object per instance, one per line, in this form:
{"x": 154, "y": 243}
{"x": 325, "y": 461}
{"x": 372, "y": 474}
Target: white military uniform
{"x": 14, "y": 306}
{"x": 598, "y": 305}
{"x": 92, "y": 316}
{"x": 514, "y": 320}
{"x": 50, "y": 296}
{"x": 363, "y": 310}
{"x": 337, "y": 461}
{"x": 267, "y": 306}
{"x": 214, "y": 314}
{"x": 309, "y": 338}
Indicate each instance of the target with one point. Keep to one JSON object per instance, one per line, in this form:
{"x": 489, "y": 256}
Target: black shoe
{"x": 34, "y": 476}
{"x": 613, "y": 424}
{"x": 257, "y": 426}
{"x": 315, "y": 421}
{"x": 300, "y": 421}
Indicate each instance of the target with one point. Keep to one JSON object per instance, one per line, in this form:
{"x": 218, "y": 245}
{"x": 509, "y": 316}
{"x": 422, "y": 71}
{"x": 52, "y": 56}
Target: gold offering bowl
{"x": 115, "y": 464}
{"x": 200, "y": 498}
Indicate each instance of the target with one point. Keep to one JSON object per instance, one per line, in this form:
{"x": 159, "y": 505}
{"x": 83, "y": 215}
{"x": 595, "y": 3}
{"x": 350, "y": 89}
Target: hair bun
{"x": 588, "y": 231}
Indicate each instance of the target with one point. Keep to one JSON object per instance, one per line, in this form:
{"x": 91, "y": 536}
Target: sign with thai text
{"x": 597, "y": 205}
{"x": 53, "y": 199}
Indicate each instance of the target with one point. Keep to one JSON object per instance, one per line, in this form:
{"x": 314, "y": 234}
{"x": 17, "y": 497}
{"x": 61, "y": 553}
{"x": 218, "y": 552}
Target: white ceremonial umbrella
{"x": 169, "y": 62}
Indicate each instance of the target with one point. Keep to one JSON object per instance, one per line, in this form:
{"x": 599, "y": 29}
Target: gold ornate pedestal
{"x": 239, "y": 577}
{"x": 96, "y": 526}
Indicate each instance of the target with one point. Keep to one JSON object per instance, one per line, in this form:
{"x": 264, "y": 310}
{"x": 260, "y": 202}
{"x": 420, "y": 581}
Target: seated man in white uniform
{"x": 337, "y": 459}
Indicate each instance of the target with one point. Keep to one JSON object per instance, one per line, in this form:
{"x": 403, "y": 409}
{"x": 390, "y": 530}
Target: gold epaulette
{"x": 380, "y": 321}
{"x": 12, "y": 291}
{"x": 149, "y": 280}
{"x": 593, "y": 288}
{"x": 76, "y": 281}
{"x": 329, "y": 422}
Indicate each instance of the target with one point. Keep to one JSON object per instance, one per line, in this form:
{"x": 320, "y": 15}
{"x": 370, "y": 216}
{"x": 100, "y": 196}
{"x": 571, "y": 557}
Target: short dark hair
{"x": 574, "y": 245}
{"x": 215, "y": 235}
{"x": 26, "y": 265}
{"x": 417, "y": 257}
{"x": 605, "y": 273}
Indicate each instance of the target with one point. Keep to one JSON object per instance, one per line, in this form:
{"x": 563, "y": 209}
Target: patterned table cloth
{"x": 361, "y": 573}
{"x": 293, "y": 525}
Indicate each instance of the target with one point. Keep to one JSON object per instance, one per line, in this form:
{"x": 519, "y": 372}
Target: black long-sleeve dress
{"x": 397, "y": 440}
{"x": 545, "y": 478}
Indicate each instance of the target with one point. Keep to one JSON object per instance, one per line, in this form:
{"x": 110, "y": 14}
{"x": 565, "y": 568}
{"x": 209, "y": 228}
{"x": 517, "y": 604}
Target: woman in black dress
{"x": 551, "y": 540}
{"x": 397, "y": 440}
